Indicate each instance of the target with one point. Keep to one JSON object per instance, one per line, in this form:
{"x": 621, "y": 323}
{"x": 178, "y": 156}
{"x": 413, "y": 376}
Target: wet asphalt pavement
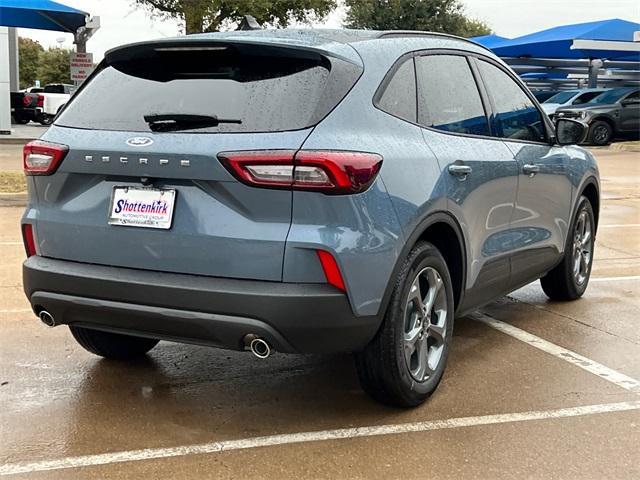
{"x": 558, "y": 396}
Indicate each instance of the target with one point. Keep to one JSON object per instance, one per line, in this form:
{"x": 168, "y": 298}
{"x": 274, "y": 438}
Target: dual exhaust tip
{"x": 258, "y": 346}
{"x": 46, "y": 318}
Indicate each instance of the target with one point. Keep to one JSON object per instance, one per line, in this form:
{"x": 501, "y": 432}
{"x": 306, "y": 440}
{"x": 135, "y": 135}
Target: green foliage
{"x": 36, "y": 63}
{"x": 28, "y": 52}
{"x": 53, "y": 66}
{"x": 445, "y": 16}
{"x": 213, "y": 15}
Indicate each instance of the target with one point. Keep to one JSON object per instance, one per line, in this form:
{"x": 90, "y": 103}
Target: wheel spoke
{"x": 415, "y": 295}
{"x": 422, "y": 350}
{"x": 584, "y": 263}
{"x": 576, "y": 263}
{"x": 437, "y": 332}
{"x": 585, "y": 240}
{"x": 435, "y": 285}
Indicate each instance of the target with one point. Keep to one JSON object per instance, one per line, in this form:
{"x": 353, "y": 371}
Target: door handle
{"x": 460, "y": 171}
{"x": 530, "y": 170}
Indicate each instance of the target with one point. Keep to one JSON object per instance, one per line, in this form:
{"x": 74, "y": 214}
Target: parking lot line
{"x": 620, "y": 225}
{"x": 614, "y": 279}
{"x": 574, "y": 358}
{"x": 305, "y": 437}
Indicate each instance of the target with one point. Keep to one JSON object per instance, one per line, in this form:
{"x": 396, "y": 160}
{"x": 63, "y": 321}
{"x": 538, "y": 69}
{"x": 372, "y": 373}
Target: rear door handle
{"x": 460, "y": 171}
{"x": 530, "y": 169}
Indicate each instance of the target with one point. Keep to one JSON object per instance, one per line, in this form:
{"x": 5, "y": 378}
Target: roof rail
{"x": 419, "y": 33}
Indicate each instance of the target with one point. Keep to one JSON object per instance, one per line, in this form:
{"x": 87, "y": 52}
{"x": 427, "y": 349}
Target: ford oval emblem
{"x": 139, "y": 141}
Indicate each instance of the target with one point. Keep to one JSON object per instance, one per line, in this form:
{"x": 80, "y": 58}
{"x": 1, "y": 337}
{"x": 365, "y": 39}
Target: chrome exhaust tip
{"x": 47, "y": 318}
{"x": 260, "y": 348}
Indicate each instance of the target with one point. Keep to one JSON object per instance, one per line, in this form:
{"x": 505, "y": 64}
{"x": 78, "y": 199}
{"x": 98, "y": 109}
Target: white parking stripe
{"x": 11, "y": 243}
{"x": 614, "y": 279}
{"x": 16, "y": 310}
{"x": 574, "y": 358}
{"x": 620, "y": 225}
{"x": 304, "y": 437}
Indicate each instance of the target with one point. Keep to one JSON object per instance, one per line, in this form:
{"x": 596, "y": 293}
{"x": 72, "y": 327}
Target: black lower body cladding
{"x": 302, "y": 318}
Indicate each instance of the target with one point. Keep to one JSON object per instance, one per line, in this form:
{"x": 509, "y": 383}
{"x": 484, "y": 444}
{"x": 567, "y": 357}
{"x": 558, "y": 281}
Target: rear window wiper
{"x": 171, "y": 122}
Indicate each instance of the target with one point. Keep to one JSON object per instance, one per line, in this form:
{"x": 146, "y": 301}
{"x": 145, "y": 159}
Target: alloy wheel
{"x": 582, "y": 247}
{"x": 425, "y": 324}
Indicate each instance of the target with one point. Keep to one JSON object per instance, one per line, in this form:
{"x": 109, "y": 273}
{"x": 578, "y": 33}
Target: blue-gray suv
{"x": 303, "y": 191}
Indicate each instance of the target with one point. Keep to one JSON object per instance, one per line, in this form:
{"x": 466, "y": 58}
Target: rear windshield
{"x": 260, "y": 90}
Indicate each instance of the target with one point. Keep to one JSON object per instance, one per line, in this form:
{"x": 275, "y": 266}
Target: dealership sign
{"x": 81, "y": 66}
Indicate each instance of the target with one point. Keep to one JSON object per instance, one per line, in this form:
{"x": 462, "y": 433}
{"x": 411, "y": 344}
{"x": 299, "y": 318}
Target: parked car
{"x": 616, "y": 112}
{"x": 21, "y": 106}
{"x": 40, "y": 104}
{"x": 542, "y": 95}
{"x": 54, "y": 97}
{"x": 568, "y": 98}
{"x": 303, "y": 191}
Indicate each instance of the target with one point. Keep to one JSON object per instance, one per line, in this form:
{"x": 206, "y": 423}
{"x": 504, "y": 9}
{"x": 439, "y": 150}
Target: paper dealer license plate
{"x": 142, "y": 207}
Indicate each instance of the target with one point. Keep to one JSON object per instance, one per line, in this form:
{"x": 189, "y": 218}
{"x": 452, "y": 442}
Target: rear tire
{"x": 600, "y": 133}
{"x": 46, "y": 119}
{"x": 405, "y": 361}
{"x": 569, "y": 280}
{"x": 112, "y": 345}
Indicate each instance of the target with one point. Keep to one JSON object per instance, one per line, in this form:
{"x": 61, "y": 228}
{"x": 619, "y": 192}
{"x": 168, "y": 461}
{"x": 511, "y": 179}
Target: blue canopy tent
{"x": 41, "y": 14}
{"x": 490, "y": 41}
{"x": 573, "y": 54}
{"x": 564, "y": 41}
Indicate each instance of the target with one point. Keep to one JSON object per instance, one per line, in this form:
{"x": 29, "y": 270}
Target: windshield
{"x": 562, "y": 97}
{"x": 258, "y": 91}
{"x": 610, "y": 96}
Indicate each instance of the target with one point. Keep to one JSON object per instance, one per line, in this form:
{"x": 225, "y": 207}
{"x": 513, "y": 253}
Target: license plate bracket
{"x": 142, "y": 207}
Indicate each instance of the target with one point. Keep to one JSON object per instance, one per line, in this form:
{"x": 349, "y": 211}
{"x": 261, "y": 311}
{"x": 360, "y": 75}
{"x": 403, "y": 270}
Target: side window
{"x": 515, "y": 116}
{"x": 585, "y": 97}
{"x": 399, "y": 96}
{"x": 633, "y": 96}
{"x": 448, "y": 97}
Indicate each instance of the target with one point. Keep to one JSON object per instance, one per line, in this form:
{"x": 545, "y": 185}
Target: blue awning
{"x": 557, "y": 42}
{"x": 490, "y": 41}
{"x": 40, "y": 14}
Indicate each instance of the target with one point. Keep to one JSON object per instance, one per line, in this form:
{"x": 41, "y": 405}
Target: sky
{"x": 123, "y": 22}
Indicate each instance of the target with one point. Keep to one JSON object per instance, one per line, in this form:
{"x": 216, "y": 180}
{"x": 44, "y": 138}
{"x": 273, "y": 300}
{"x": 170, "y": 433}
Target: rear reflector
{"x": 328, "y": 171}
{"x": 331, "y": 270}
{"x": 28, "y": 239}
{"x": 42, "y": 158}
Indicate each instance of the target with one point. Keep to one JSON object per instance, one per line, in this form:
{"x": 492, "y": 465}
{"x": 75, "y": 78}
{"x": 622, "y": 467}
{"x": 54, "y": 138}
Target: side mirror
{"x": 570, "y": 132}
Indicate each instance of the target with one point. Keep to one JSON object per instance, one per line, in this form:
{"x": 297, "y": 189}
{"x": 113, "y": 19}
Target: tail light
{"x": 26, "y": 100}
{"x": 28, "y": 239}
{"x": 328, "y": 171}
{"x": 40, "y": 101}
{"x": 42, "y": 158}
{"x": 331, "y": 270}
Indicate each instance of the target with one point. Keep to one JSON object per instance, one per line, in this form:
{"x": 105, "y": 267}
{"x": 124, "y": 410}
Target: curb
{"x": 14, "y": 140}
{"x": 13, "y": 199}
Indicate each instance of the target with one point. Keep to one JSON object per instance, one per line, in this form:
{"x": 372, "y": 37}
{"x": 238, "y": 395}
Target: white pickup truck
{"x": 56, "y": 95}
{"x": 43, "y": 105}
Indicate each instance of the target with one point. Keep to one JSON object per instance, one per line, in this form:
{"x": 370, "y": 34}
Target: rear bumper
{"x": 304, "y": 318}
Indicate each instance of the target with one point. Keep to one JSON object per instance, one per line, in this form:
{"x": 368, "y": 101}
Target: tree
{"x": 28, "y": 53}
{"x": 445, "y": 16}
{"x": 212, "y": 15}
{"x": 53, "y": 66}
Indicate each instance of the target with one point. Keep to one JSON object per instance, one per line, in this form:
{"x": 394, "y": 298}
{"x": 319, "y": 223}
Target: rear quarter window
{"x": 265, "y": 92}
{"x": 399, "y": 95}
